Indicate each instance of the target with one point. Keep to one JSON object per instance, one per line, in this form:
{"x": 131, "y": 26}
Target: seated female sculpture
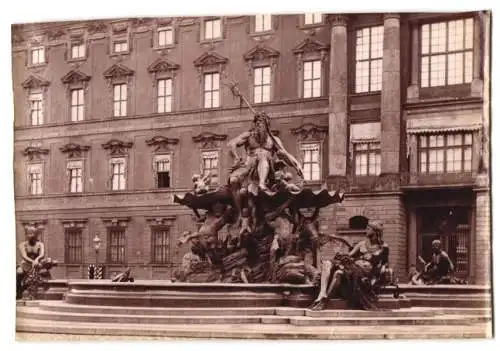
{"x": 356, "y": 274}
{"x": 34, "y": 266}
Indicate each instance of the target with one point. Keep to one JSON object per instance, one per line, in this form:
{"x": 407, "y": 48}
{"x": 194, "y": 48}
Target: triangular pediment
{"x": 210, "y": 59}
{"x": 162, "y": 65}
{"x": 309, "y": 45}
{"x": 261, "y": 52}
{"x": 75, "y": 76}
{"x": 118, "y": 70}
{"x": 35, "y": 82}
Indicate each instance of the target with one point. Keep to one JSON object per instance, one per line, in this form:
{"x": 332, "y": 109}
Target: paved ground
{"x": 70, "y": 337}
{"x": 259, "y": 331}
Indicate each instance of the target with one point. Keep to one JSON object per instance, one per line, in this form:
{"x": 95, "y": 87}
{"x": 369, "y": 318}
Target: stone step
{"x": 255, "y": 331}
{"x": 60, "y": 306}
{"x": 39, "y": 314}
{"x": 378, "y": 321}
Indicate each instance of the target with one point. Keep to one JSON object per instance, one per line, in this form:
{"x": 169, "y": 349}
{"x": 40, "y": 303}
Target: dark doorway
{"x": 451, "y": 225}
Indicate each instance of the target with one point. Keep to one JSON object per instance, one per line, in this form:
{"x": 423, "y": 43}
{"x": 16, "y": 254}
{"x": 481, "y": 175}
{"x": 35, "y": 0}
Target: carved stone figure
{"x": 123, "y": 277}
{"x": 358, "y": 275}
{"x": 34, "y": 268}
{"x": 438, "y": 271}
{"x": 249, "y": 231}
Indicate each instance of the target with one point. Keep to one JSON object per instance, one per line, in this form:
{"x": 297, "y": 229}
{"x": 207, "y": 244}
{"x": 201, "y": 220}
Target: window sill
{"x": 161, "y": 265}
{"x": 77, "y": 59}
{"x": 311, "y": 26}
{"x": 312, "y": 97}
{"x": 38, "y": 65}
{"x": 351, "y": 232}
{"x": 263, "y": 33}
{"x": 122, "y": 53}
{"x": 70, "y": 194}
{"x": 166, "y": 47}
{"x": 368, "y": 93}
{"x": 313, "y": 182}
{"x": 210, "y": 41}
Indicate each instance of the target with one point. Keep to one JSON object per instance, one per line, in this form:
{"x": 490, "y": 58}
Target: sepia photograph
{"x": 258, "y": 176}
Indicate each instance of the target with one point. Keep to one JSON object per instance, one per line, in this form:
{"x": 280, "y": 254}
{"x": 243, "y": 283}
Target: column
{"x": 391, "y": 96}
{"x": 337, "y": 120}
{"x": 479, "y": 47}
{"x": 482, "y": 237}
{"x": 413, "y": 91}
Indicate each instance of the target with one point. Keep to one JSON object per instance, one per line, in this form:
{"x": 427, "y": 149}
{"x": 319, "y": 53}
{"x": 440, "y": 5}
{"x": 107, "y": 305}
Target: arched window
{"x": 358, "y": 222}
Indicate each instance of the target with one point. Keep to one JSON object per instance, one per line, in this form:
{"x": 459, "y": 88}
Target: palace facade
{"x": 113, "y": 117}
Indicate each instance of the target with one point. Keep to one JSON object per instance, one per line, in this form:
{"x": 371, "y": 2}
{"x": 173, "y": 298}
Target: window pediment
{"x": 118, "y": 71}
{"x": 74, "y": 223}
{"x": 310, "y": 131}
{"x": 75, "y": 76}
{"x": 38, "y": 224}
{"x": 309, "y": 46}
{"x": 261, "y": 52}
{"x": 35, "y": 152}
{"x": 35, "y": 82}
{"x": 161, "y": 143}
{"x": 161, "y": 221}
{"x": 74, "y": 150}
{"x": 116, "y": 221}
{"x": 162, "y": 65}
{"x": 209, "y": 140}
{"x": 210, "y": 59}
{"x": 117, "y": 147}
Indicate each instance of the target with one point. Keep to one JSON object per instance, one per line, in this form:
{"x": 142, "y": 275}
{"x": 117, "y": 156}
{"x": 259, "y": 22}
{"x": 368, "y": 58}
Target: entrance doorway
{"x": 452, "y": 226}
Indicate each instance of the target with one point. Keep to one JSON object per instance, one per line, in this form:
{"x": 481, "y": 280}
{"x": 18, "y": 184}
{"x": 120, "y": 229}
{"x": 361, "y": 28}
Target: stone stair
{"x": 249, "y": 322}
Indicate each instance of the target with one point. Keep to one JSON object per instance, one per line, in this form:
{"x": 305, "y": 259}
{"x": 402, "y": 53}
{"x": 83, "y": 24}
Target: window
{"x": 447, "y": 53}
{"x": 369, "y": 52}
{"x": 35, "y": 179}
{"x": 445, "y": 153}
{"x": 75, "y": 170}
{"x": 210, "y": 165}
{"x": 164, "y": 95}
{"x": 120, "y": 46}
{"x": 77, "y": 105}
{"x": 211, "y": 90}
{"x": 162, "y": 171}
{"x": 116, "y": 245}
{"x": 311, "y": 166}
{"x": 73, "y": 245}
{"x": 38, "y": 55}
{"x": 312, "y": 78}
{"x": 313, "y": 18}
{"x": 161, "y": 245}
{"x": 120, "y": 100}
{"x": 262, "y": 23}
{"x": 262, "y": 84}
{"x": 77, "y": 50}
{"x": 212, "y": 29}
{"x": 165, "y": 36}
{"x": 36, "y": 109}
{"x": 118, "y": 179}
{"x": 367, "y": 159}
